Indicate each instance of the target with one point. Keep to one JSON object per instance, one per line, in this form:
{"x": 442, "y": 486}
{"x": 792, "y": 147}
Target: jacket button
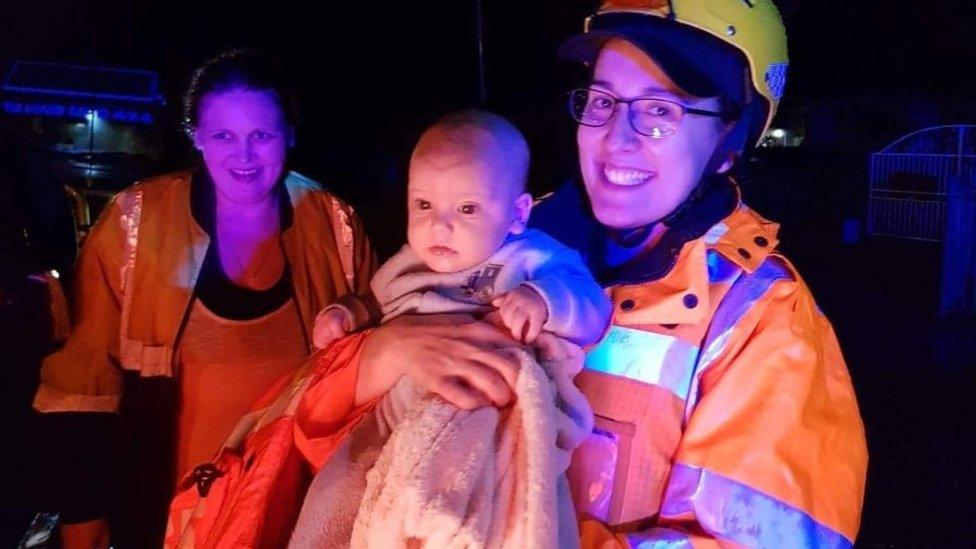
{"x": 691, "y": 301}
{"x": 744, "y": 253}
{"x": 761, "y": 241}
{"x": 627, "y": 305}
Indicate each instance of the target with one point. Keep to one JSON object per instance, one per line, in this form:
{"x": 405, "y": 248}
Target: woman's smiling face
{"x": 244, "y": 138}
{"x": 632, "y": 179}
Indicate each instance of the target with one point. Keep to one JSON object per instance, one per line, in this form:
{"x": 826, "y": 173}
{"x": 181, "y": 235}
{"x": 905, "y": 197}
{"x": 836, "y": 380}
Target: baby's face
{"x": 460, "y": 211}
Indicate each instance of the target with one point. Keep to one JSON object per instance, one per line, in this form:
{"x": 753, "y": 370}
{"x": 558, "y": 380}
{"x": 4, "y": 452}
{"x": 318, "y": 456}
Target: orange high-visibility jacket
{"x": 134, "y": 283}
{"x": 85, "y": 375}
{"x": 725, "y": 412}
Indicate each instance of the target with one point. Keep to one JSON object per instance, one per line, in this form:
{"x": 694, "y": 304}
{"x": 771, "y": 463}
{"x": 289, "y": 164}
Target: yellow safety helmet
{"x": 690, "y": 40}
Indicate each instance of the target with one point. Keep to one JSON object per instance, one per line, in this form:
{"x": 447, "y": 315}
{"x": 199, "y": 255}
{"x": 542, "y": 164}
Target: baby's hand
{"x": 331, "y": 324}
{"x": 523, "y": 311}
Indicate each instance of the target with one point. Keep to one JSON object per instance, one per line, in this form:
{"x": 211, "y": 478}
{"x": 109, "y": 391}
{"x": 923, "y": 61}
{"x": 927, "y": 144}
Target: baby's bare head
{"x": 466, "y": 190}
{"x": 481, "y": 140}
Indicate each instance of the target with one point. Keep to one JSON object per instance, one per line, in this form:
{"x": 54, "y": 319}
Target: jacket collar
{"x": 203, "y": 201}
{"x": 177, "y": 224}
{"x": 670, "y": 282}
{"x": 717, "y": 199}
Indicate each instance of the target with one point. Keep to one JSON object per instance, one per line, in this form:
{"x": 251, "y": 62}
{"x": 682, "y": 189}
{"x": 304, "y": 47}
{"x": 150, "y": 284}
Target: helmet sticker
{"x": 637, "y": 4}
{"x": 776, "y": 79}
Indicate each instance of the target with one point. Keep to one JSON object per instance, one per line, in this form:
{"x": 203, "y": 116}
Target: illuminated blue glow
{"x": 660, "y": 538}
{"x": 83, "y": 81}
{"x": 731, "y": 510}
{"x": 720, "y": 269}
{"x": 649, "y": 357}
{"x": 53, "y": 110}
{"x": 86, "y": 95}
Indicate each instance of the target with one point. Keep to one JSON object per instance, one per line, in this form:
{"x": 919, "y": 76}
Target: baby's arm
{"x": 332, "y": 323}
{"x": 348, "y": 314}
{"x": 578, "y": 309}
{"x": 523, "y": 311}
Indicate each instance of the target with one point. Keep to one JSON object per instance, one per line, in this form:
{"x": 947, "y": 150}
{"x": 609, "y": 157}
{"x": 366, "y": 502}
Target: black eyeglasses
{"x": 655, "y": 118}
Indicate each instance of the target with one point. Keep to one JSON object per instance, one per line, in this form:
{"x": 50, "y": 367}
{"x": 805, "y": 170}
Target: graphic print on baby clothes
{"x": 482, "y": 283}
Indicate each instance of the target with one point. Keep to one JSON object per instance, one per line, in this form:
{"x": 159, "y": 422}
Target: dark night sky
{"x": 371, "y": 74}
{"x": 847, "y": 45}
{"x": 380, "y": 53}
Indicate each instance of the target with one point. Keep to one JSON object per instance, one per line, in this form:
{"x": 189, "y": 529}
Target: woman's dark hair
{"x": 238, "y": 69}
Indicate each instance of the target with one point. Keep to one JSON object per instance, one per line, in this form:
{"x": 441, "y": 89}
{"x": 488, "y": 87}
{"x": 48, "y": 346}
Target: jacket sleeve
{"x": 83, "y": 376}
{"x": 366, "y": 311}
{"x": 360, "y": 304}
{"x": 773, "y": 454}
{"x": 81, "y": 385}
{"x": 578, "y": 308}
{"x": 364, "y": 257}
{"x": 327, "y": 412}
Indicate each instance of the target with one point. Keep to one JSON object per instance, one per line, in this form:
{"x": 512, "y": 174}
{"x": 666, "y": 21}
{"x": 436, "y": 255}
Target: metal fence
{"x": 910, "y": 181}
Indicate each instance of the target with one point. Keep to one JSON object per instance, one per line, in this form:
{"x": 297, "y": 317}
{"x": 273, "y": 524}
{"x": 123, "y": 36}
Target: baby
{"x": 416, "y": 468}
{"x": 468, "y": 248}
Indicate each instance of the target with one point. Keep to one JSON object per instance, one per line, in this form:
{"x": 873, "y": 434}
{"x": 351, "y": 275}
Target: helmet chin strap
{"x": 630, "y": 238}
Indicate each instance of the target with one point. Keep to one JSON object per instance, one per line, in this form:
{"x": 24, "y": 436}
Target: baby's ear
{"x": 523, "y": 206}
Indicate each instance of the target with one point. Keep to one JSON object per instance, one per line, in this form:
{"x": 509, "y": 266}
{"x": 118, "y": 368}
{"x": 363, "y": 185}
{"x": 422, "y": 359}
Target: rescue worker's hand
{"x": 523, "y": 312}
{"x": 331, "y": 324}
{"x": 92, "y": 534}
{"x": 453, "y": 356}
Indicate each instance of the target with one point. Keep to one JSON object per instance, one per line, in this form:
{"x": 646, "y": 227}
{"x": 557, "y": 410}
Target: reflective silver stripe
{"x": 715, "y": 233}
{"x": 342, "y": 227}
{"x": 130, "y": 206}
{"x": 660, "y": 538}
{"x": 649, "y": 357}
{"x": 744, "y": 293}
{"x": 731, "y": 510}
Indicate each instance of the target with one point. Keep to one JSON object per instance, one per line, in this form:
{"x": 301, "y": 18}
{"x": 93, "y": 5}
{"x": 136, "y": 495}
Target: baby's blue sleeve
{"x": 579, "y": 310}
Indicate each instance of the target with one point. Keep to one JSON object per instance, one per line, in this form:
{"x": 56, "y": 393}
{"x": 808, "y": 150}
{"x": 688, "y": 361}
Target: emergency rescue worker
{"x": 725, "y": 412}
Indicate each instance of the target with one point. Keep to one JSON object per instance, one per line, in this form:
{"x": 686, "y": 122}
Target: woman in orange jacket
{"x": 725, "y": 412}
{"x": 196, "y": 291}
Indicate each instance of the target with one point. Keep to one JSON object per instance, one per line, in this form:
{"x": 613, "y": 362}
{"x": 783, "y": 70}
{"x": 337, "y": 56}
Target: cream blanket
{"x": 419, "y": 472}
